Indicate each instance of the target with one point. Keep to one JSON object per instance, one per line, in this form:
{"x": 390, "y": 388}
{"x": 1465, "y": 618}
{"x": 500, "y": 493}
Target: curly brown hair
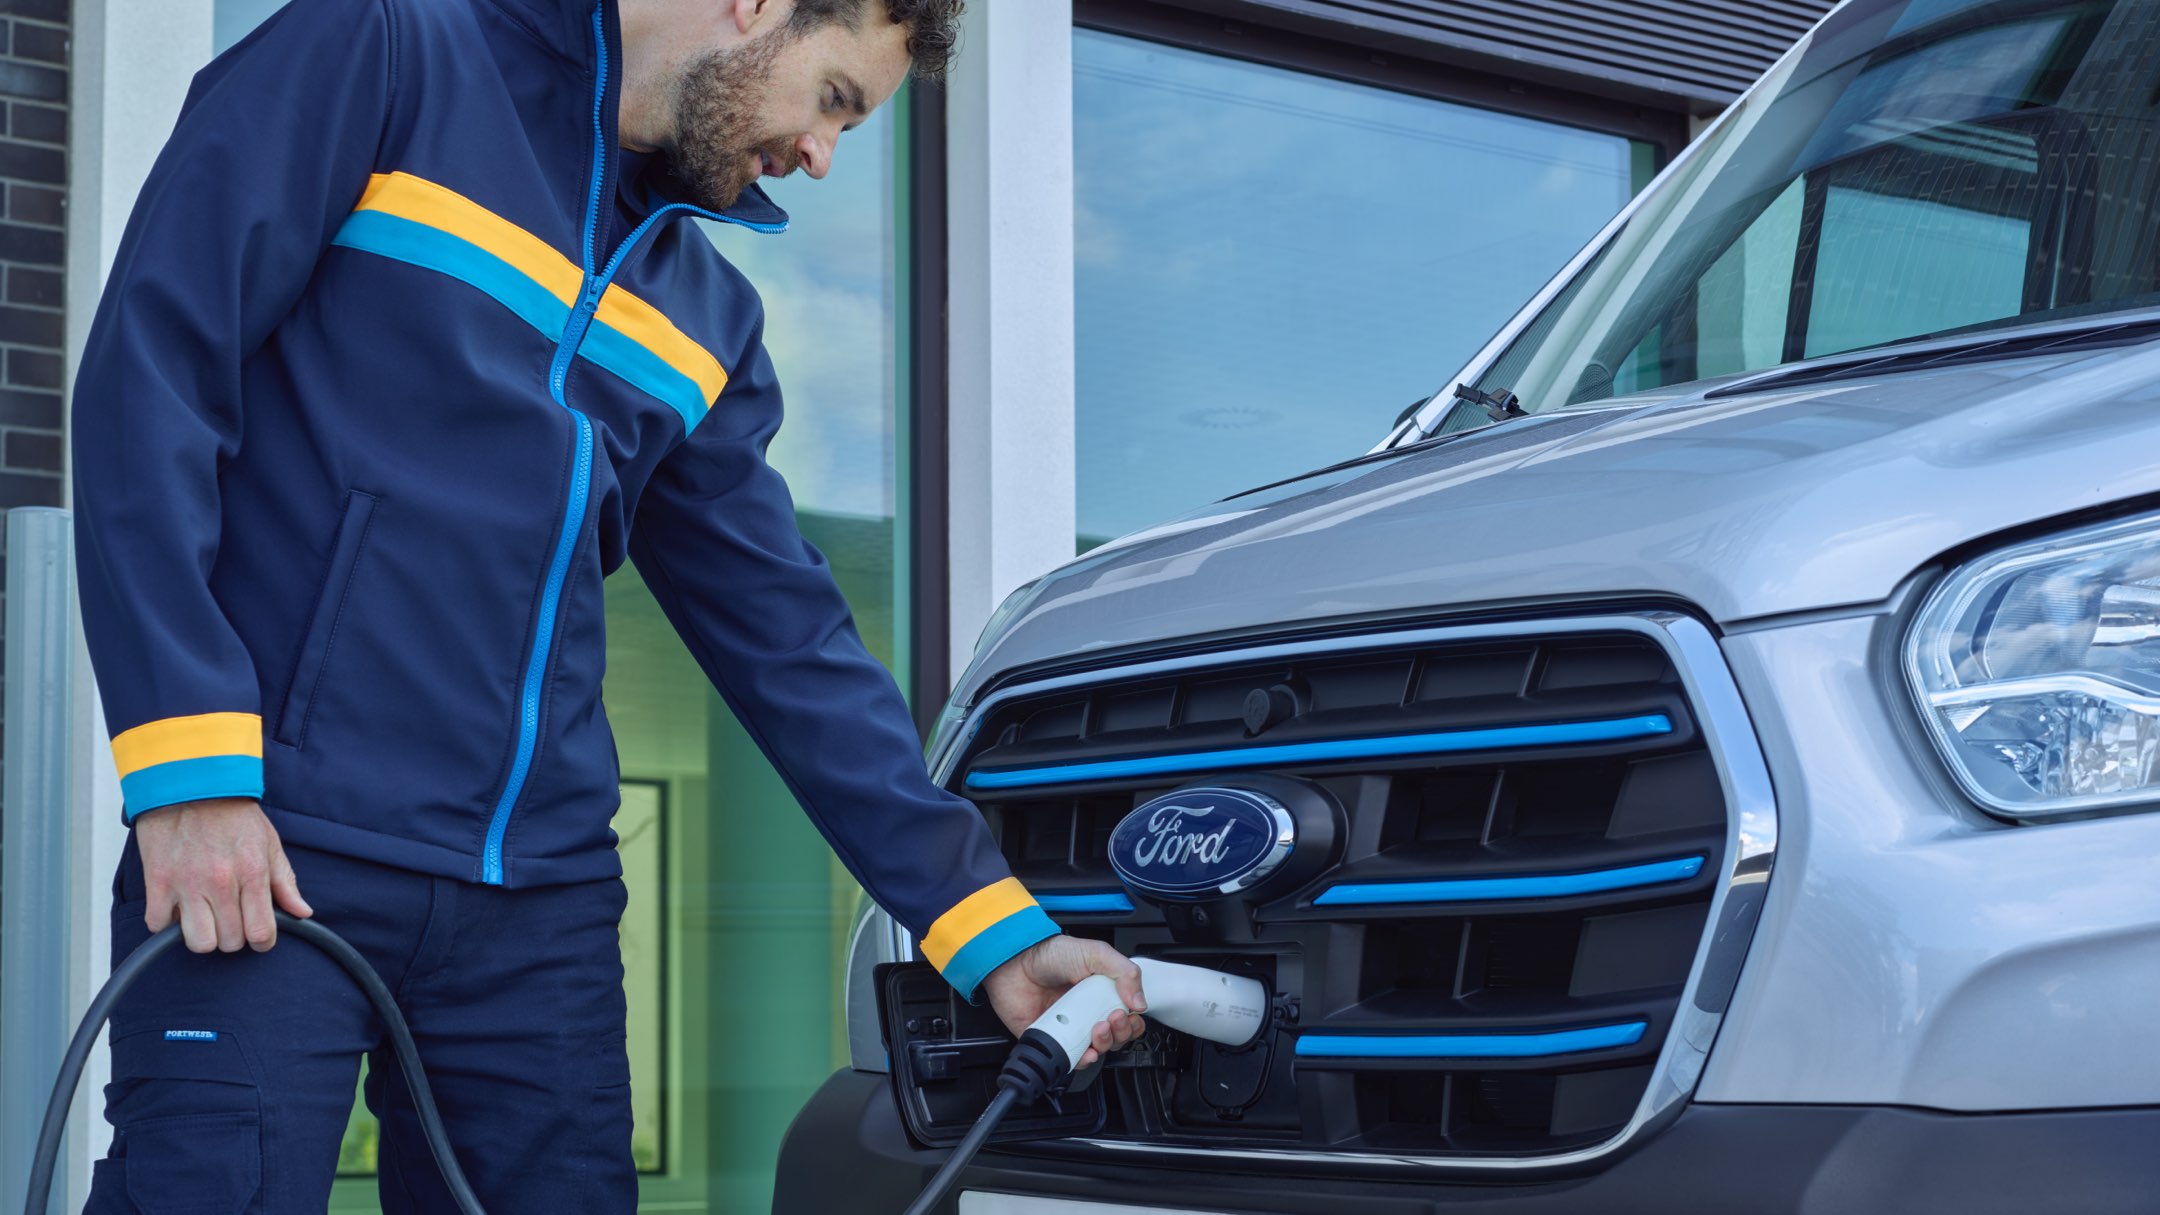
{"x": 933, "y": 26}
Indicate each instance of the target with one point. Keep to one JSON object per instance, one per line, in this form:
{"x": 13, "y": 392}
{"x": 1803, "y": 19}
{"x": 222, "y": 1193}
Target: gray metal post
{"x": 35, "y": 834}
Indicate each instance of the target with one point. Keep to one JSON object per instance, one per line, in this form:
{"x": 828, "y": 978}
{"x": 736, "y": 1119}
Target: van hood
{"x": 1742, "y": 504}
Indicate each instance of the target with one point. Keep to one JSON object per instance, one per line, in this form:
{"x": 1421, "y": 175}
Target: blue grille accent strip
{"x": 1107, "y": 900}
{"x": 1481, "y": 890}
{"x": 1470, "y": 1046}
{"x": 1400, "y": 745}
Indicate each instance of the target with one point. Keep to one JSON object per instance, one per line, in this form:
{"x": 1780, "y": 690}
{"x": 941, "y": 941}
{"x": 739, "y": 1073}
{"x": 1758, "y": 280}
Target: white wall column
{"x": 1010, "y": 183}
{"x": 131, "y": 66}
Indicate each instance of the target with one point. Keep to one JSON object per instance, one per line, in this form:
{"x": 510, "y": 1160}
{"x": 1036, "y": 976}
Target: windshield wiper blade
{"x": 1940, "y": 352}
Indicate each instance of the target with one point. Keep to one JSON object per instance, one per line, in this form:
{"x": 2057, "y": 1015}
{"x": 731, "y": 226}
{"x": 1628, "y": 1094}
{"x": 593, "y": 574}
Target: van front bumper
{"x": 848, "y": 1152}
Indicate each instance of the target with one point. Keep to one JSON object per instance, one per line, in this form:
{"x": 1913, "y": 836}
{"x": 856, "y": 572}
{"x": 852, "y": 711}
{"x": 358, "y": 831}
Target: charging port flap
{"x": 945, "y": 1057}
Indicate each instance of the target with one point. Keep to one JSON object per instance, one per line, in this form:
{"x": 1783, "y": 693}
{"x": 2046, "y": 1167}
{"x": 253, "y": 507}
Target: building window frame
{"x": 1263, "y": 36}
{"x": 923, "y": 635}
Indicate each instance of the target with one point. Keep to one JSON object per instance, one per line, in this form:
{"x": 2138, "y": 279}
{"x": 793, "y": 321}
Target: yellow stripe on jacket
{"x": 446, "y": 210}
{"x": 178, "y": 738}
{"x": 648, "y": 327}
{"x": 439, "y": 207}
{"x": 970, "y": 916}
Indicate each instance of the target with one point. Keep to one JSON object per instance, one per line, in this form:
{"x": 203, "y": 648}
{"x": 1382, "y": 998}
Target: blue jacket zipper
{"x": 573, "y": 524}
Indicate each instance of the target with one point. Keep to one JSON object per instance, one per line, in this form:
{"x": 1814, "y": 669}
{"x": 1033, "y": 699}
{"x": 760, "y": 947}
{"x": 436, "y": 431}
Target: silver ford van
{"x": 1720, "y": 732}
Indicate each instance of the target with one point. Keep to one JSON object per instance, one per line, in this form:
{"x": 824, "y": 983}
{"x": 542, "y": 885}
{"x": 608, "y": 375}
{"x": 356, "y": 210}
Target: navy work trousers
{"x": 233, "y": 1074}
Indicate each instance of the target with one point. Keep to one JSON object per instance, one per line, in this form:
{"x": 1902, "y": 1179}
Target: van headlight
{"x": 2037, "y": 669}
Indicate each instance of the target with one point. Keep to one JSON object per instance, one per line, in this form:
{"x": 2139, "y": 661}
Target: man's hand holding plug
{"x": 1026, "y": 986}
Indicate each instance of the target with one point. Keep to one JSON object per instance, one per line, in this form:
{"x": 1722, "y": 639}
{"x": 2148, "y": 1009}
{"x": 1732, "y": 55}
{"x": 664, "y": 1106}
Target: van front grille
{"x": 1536, "y": 836}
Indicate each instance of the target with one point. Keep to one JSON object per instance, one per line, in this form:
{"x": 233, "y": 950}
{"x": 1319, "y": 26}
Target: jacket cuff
{"x": 186, "y": 759}
{"x": 983, "y": 932}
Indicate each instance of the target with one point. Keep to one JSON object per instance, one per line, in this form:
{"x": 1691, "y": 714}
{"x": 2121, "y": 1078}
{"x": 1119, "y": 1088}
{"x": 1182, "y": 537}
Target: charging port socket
{"x": 1173, "y": 1085}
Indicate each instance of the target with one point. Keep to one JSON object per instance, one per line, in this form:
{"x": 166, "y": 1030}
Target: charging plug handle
{"x": 1068, "y": 1026}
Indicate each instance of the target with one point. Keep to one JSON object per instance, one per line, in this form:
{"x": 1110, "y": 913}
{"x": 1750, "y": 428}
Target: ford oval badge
{"x": 1202, "y": 842}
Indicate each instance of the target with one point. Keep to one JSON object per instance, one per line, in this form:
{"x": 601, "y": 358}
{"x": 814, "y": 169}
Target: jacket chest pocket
{"x": 322, "y": 628}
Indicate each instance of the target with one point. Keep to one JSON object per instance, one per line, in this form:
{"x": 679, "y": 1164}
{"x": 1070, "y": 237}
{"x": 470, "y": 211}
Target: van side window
{"x": 1930, "y": 168}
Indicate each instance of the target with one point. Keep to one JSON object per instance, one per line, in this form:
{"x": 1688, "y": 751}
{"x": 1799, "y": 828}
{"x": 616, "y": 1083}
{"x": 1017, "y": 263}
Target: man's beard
{"x": 716, "y": 103}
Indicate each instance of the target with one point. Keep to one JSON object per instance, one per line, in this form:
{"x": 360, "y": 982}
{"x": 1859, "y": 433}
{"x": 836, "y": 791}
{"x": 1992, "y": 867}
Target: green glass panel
{"x": 641, "y": 834}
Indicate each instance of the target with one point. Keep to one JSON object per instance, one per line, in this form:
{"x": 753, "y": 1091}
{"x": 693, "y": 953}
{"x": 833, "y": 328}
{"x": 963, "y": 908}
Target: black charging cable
{"x": 124, "y": 976}
{"x": 1036, "y": 1063}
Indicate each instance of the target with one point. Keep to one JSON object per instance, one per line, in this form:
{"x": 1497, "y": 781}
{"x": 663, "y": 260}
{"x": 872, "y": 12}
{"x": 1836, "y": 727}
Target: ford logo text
{"x": 1167, "y": 845}
{"x": 1201, "y": 842}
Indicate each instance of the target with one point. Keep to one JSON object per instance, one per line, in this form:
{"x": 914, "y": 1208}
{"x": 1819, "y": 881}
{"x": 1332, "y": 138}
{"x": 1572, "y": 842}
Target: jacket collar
{"x": 657, "y": 188}
{"x": 757, "y": 209}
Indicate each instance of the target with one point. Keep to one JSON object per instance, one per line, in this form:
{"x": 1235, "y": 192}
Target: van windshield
{"x": 1921, "y": 167}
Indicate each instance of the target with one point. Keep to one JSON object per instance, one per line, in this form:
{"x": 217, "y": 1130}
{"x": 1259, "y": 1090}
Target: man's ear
{"x": 751, "y": 16}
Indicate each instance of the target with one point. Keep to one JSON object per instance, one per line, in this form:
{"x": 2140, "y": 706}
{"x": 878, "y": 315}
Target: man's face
{"x": 779, "y": 100}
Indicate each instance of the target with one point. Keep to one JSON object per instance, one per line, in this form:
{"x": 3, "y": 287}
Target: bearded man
{"x": 408, "y": 346}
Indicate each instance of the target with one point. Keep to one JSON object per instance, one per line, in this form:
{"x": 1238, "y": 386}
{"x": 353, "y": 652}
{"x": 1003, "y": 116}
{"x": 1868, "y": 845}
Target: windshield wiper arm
{"x": 1501, "y": 406}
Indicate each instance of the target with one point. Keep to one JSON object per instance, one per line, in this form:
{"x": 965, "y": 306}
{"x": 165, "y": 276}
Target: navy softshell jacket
{"x": 378, "y": 393}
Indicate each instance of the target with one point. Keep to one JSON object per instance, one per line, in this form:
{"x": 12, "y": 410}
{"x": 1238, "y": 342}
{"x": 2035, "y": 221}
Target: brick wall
{"x": 33, "y": 237}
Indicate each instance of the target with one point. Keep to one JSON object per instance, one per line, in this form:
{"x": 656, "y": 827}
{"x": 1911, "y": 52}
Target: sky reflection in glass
{"x": 831, "y": 322}
{"x": 1272, "y": 265}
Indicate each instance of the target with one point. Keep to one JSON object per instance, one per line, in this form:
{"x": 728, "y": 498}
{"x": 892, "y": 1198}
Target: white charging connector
{"x": 1230, "y": 1009}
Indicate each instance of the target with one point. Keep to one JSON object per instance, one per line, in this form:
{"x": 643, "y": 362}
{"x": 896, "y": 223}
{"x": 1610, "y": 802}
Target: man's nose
{"x": 816, "y": 156}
